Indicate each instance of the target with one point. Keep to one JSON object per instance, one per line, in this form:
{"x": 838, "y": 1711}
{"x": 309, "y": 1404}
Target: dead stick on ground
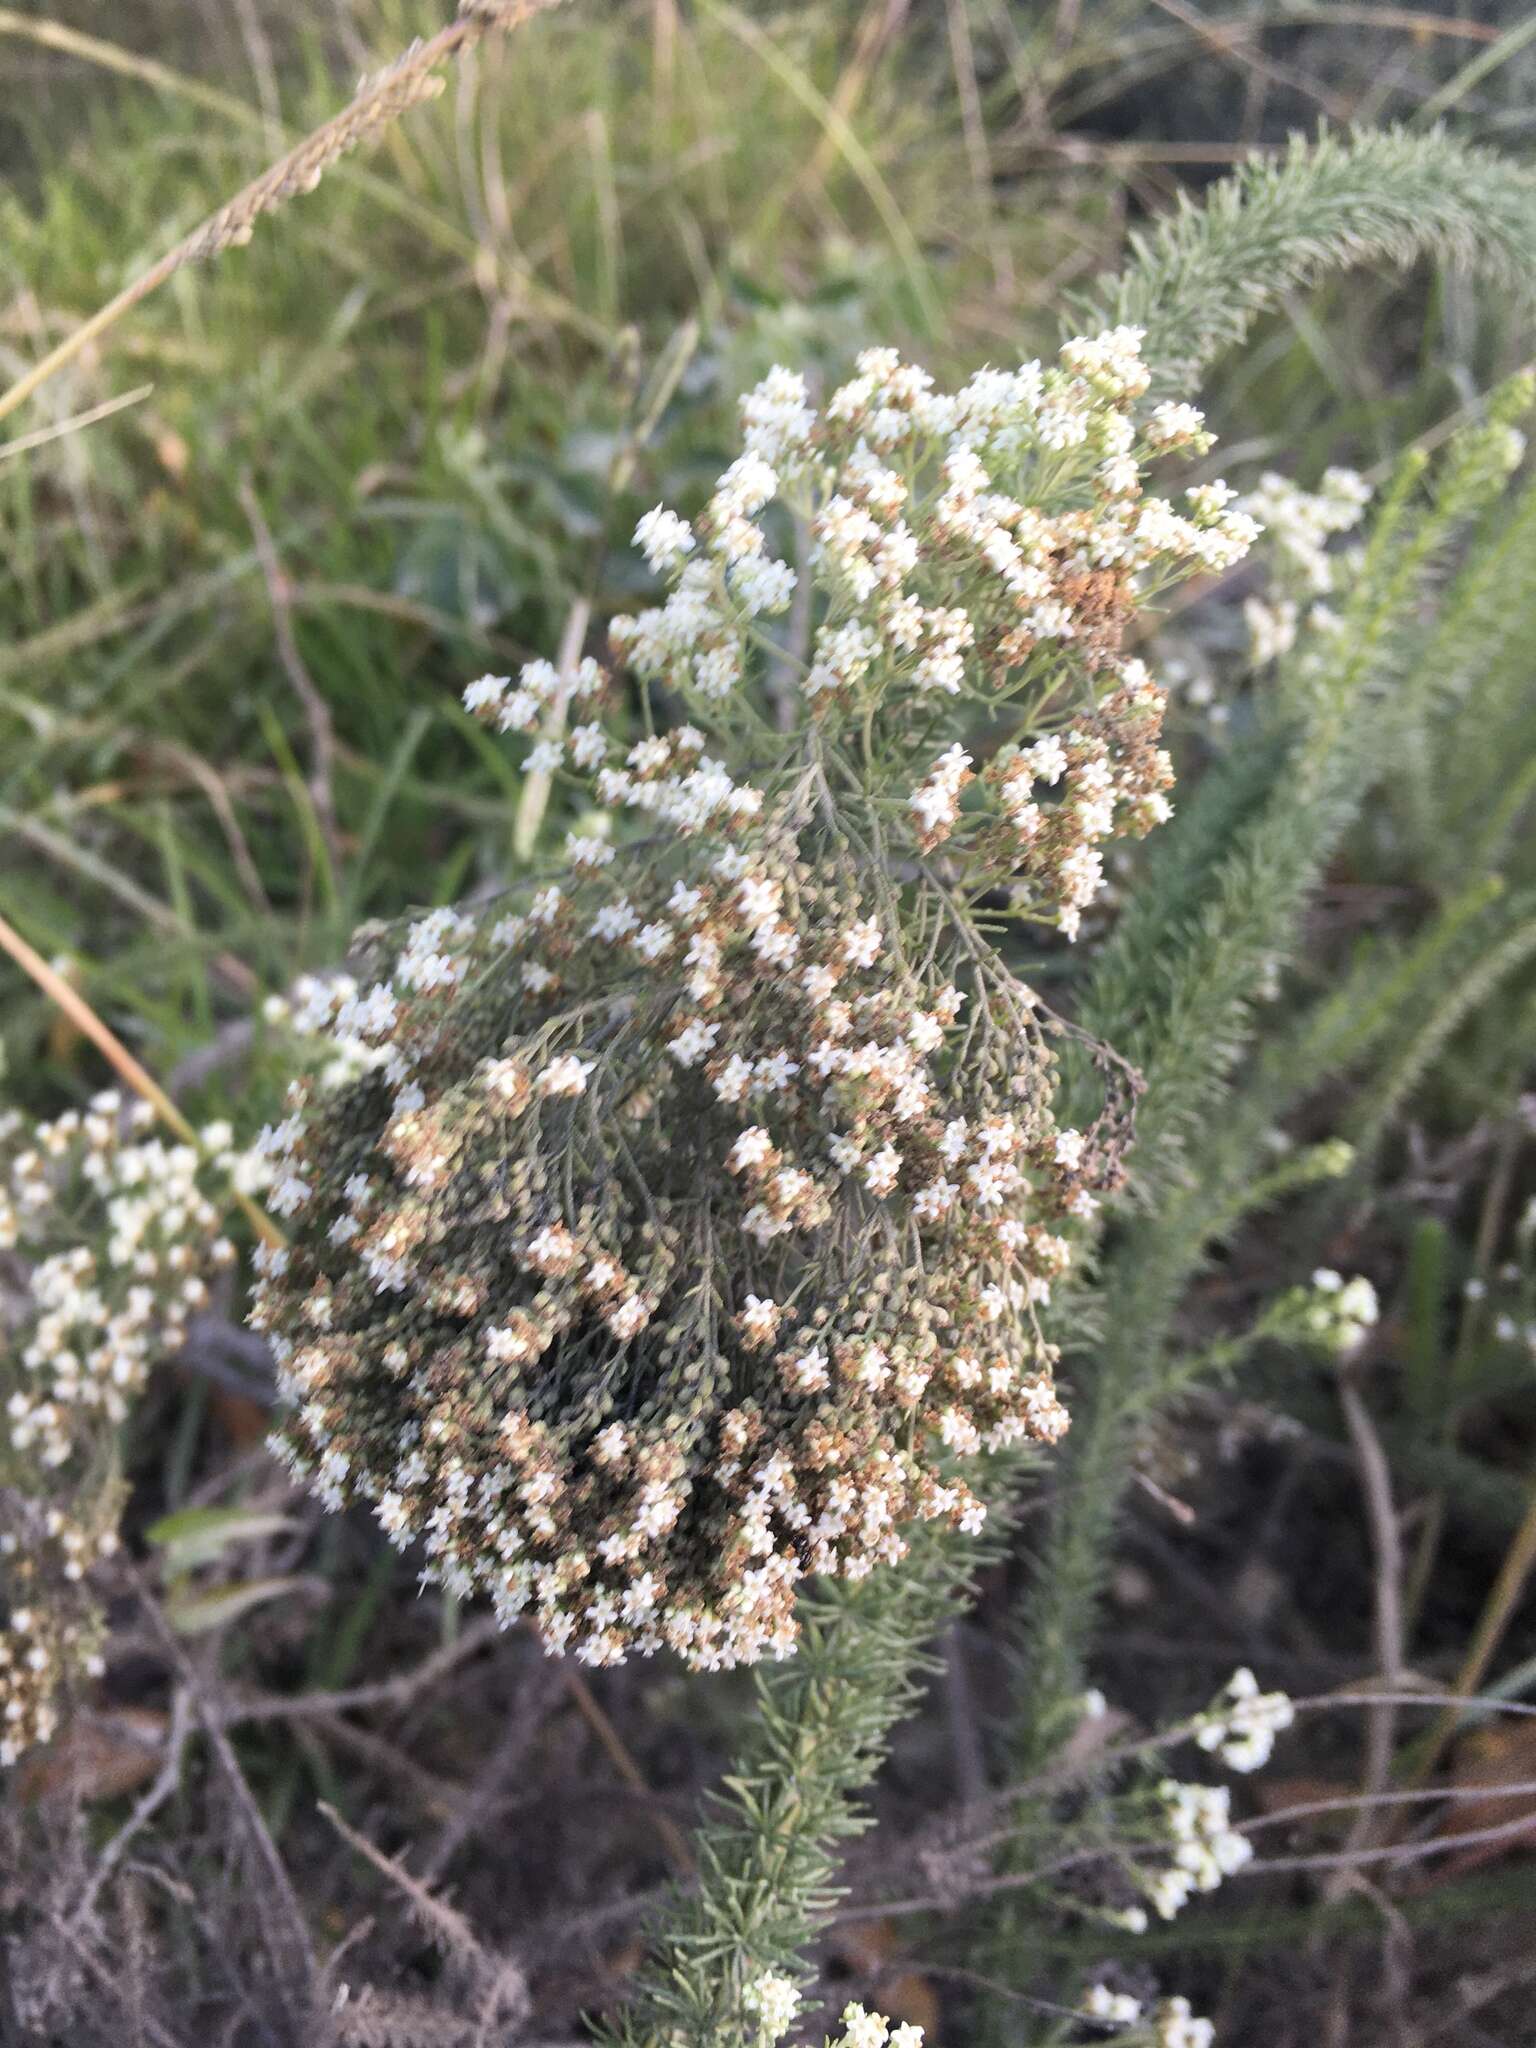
{"x": 398, "y": 1691}
{"x": 24, "y": 444}
{"x": 501, "y": 1985}
{"x": 149, "y": 1804}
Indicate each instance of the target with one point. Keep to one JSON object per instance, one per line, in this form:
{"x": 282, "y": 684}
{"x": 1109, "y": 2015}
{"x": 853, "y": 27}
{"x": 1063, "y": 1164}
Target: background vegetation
{"x": 399, "y": 438}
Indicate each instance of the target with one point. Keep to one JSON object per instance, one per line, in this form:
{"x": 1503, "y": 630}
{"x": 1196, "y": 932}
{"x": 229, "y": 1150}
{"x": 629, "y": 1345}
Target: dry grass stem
{"x": 317, "y": 715}
{"x": 25, "y": 443}
{"x": 1387, "y": 1554}
{"x": 676, "y": 1843}
{"x": 382, "y": 99}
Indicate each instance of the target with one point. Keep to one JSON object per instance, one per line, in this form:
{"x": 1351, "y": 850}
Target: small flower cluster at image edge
{"x": 678, "y": 1227}
{"x": 115, "y": 1242}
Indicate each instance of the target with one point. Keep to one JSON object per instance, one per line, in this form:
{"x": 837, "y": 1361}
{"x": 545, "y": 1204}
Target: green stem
{"x": 819, "y": 1726}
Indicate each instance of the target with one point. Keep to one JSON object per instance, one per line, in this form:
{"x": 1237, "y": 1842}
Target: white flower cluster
{"x": 313, "y": 1009}
{"x": 775, "y": 2002}
{"x": 1206, "y": 1847}
{"x": 114, "y": 1241}
{"x": 1117, "y": 2008}
{"x": 1334, "y": 1312}
{"x": 1298, "y": 526}
{"x": 671, "y": 1234}
{"x": 1109, "y": 779}
{"x": 1241, "y": 1725}
{"x": 1171, "y": 2022}
{"x": 780, "y": 1043}
{"x": 935, "y": 803}
{"x": 863, "y": 2029}
{"x": 50, "y": 1633}
{"x": 1175, "y": 2025}
{"x": 538, "y": 702}
{"x": 966, "y": 548}
{"x": 99, "y": 1313}
{"x": 1511, "y": 1300}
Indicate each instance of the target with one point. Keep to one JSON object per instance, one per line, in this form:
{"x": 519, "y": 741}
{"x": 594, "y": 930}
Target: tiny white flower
{"x": 565, "y": 1076}
{"x": 663, "y": 538}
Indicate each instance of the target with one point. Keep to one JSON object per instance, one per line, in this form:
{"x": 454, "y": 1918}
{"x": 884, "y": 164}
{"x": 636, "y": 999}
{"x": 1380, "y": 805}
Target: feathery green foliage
{"x": 1200, "y": 279}
{"x": 767, "y": 1855}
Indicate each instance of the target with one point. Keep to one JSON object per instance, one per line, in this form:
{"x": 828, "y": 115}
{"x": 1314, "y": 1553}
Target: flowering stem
{"x": 534, "y": 801}
{"x": 767, "y": 1856}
